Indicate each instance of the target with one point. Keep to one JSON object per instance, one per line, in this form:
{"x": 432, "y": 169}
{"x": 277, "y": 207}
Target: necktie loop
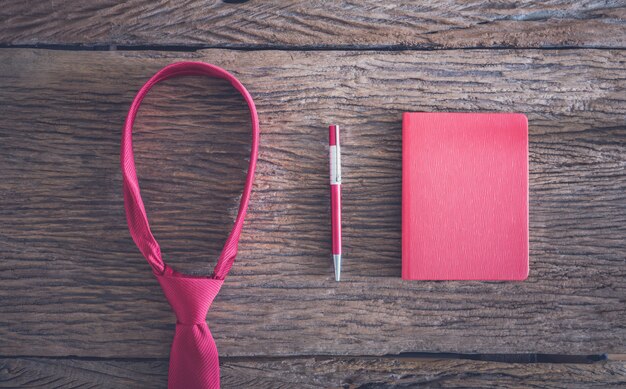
{"x": 136, "y": 216}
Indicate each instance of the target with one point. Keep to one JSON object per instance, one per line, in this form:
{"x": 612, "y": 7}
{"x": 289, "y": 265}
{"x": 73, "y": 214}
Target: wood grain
{"x": 318, "y": 23}
{"x": 320, "y": 372}
{"x": 73, "y": 283}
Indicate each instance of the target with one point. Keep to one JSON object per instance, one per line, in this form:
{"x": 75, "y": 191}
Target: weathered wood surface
{"x": 423, "y": 23}
{"x": 73, "y": 283}
{"x": 320, "y": 372}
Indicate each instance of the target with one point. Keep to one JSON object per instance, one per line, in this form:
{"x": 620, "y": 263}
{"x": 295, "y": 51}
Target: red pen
{"x": 335, "y": 196}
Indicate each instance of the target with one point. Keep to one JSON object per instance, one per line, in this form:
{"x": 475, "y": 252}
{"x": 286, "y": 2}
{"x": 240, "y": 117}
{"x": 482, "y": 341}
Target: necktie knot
{"x": 190, "y": 297}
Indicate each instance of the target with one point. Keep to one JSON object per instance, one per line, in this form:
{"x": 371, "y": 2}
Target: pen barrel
{"x": 335, "y": 215}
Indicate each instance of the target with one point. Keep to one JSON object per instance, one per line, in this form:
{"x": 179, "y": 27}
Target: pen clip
{"x": 335, "y": 159}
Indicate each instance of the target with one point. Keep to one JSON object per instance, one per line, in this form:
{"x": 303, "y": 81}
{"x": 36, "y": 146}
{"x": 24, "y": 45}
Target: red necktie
{"x": 194, "y": 362}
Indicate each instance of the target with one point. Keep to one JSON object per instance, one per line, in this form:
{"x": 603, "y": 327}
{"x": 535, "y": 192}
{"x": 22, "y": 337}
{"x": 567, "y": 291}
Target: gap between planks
{"x": 417, "y": 356}
{"x": 375, "y": 48}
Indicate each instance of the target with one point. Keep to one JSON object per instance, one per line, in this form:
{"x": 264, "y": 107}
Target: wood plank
{"x": 321, "y": 372}
{"x": 417, "y": 24}
{"x": 73, "y": 283}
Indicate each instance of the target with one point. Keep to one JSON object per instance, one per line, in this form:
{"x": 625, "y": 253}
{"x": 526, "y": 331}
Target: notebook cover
{"x": 464, "y": 196}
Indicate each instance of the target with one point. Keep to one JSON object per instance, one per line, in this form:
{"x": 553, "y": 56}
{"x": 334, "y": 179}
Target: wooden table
{"x": 78, "y": 304}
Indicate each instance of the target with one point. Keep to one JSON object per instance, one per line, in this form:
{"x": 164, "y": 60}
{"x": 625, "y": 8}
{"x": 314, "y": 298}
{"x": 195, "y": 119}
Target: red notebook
{"x": 464, "y": 196}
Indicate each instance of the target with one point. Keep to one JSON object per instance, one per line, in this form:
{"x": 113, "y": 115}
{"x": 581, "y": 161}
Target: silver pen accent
{"x": 337, "y": 261}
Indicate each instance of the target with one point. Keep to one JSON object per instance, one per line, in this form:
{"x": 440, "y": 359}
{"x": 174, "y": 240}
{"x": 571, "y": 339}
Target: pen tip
{"x": 337, "y": 261}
